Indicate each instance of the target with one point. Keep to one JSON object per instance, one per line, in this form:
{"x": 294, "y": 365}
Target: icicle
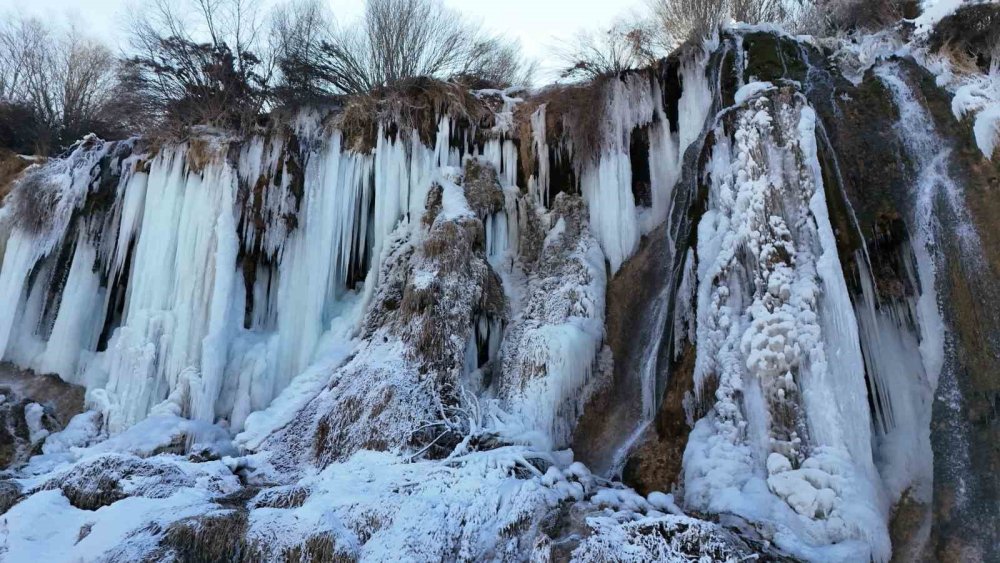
{"x": 665, "y": 164}
{"x": 538, "y": 185}
{"x": 19, "y": 257}
{"x": 80, "y": 318}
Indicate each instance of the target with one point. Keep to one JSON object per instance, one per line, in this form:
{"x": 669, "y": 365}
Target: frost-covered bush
{"x": 973, "y": 30}
{"x": 663, "y": 538}
{"x": 108, "y": 478}
{"x": 404, "y": 383}
{"x": 861, "y": 15}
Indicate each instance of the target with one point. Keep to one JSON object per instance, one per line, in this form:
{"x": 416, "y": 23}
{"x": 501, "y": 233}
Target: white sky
{"x": 538, "y": 24}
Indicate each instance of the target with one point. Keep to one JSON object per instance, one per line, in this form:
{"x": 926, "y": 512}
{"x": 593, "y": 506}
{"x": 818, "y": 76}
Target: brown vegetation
{"x": 972, "y": 31}
{"x": 219, "y": 536}
{"x": 692, "y": 20}
{"x": 99, "y": 482}
{"x": 413, "y": 104}
{"x": 831, "y": 16}
{"x": 55, "y": 86}
{"x": 11, "y": 165}
{"x": 482, "y": 189}
{"x": 573, "y": 118}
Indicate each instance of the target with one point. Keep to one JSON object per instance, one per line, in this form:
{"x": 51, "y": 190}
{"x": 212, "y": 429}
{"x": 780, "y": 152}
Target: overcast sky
{"x": 538, "y": 24}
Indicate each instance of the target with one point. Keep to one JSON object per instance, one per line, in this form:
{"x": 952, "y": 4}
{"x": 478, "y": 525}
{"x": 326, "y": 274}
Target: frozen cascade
{"x": 933, "y": 186}
{"x": 633, "y": 103}
{"x": 203, "y": 295}
{"x": 901, "y": 391}
{"x": 79, "y": 322}
{"x": 52, "y": 194}
{"x": 287, "y": 288}
{"x": 777, "y": 337}
{"x": 186, "y": 342}
{"x": 892, "y": 331}
{"x": 19, "y": 257}
{"x": 924, "y": 145}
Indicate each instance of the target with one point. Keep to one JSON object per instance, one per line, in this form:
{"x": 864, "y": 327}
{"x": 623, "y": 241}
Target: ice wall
{"x": 209, "y": 278}
{"x": 787, "y": 438}
{"x": 200, "y": 279}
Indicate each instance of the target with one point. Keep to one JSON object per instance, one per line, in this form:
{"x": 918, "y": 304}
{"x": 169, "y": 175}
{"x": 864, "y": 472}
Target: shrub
{"x": 394, "y": 41}
{"x": 973, "y": 31}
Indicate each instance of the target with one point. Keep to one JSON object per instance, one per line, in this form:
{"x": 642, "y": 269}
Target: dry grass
{"x": 415, "y": 104}
{"x": 970, "y": 36}
{"x": 482, "y": 188}
{"x": 292, "y": 496}
{"x": 98, "y": 483}
{"x": 32, "y": 205}
{"x": 573, "y": 116}
{"x": 319, "y": 548}
{"x": 962, "y": 61}
{"x": 435, "y": 197}
{"x": 11, "y": 165}
{"x": 450, "y": 244}
{"x": 208, "y": 538}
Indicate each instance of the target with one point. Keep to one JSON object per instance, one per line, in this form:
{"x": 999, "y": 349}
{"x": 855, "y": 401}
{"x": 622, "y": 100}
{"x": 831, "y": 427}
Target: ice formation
{"x": 305, "y": 344}
{"x": 777, "y": 339}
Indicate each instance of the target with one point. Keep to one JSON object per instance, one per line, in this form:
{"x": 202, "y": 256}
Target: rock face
{"x": 734, "y": 305}
{"x": 33, "y": 407}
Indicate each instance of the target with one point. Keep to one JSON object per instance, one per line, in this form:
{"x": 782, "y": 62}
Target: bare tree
{"x": 625, "y": 45}
{"x": 851, "y": 15}
{"x": 80, "y": 75}
{"x": 298, "y": 31}
{"x": 63, "y": 79}
{"x": 399, "y": 39}
{"x": 759, "y": 11}
{"x": 19, "y": 39}
{"x": 683, "y": 20}
{"x": 199, "y": 61}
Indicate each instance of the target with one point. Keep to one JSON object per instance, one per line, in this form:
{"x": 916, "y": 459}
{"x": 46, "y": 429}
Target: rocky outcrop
{"x": 32, "y": 407}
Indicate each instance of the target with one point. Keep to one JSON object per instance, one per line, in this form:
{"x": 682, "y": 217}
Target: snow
{"x": 45, "y": 525}
{"x": 980, "y": 97}
{"x": 33, "y": 413}
{"x": 80, "y": 432}
{"x": 933, "y": 11}
{"x": 156, "y": 432}
{"x": 418, "y": 511}
{"x": 453, "y": 203}
{"x": 750, "y": 90}
{"x": 784, "y": 353}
